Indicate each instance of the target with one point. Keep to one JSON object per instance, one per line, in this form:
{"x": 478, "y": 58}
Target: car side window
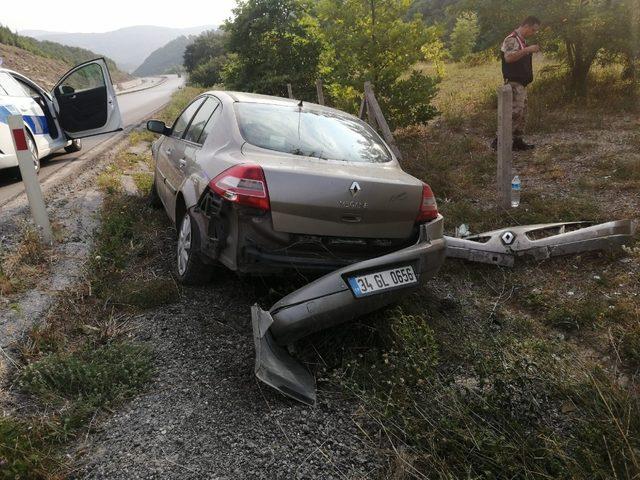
{"x": 210, "y": 123}
{"x": 11, "y": 86}
{"x": 200, "y": 120}
{"x": 183, "y": 120}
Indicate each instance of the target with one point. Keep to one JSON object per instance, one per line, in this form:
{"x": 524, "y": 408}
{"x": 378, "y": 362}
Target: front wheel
{"x": 76, "y": 146}
{"x": 190, "y": 268}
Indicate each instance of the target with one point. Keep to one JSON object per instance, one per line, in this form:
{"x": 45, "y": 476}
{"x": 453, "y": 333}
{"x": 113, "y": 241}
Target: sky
{"x": 82, "y": 16}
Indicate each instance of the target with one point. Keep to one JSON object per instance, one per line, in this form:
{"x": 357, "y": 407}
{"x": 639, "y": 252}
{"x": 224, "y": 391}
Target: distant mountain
{"x": 49, "y": 59}
{"x": 128, "y": 47}
{"x": 165, "y": 59}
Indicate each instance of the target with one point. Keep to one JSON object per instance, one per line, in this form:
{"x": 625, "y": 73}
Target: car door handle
{"x": 182, "y": 163}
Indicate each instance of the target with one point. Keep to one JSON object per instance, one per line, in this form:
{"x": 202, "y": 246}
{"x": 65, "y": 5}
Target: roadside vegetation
{"x": 82, "y": 360}
{"x": 530, "y": 372}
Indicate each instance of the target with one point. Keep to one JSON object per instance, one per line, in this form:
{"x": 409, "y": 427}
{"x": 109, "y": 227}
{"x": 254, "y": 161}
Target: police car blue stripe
{"x": 38, "y": 124}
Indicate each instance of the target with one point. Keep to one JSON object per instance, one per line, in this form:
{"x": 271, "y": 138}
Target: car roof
{"x": 244, "y": 97}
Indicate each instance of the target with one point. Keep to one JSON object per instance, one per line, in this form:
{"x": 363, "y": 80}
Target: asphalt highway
{"x": 134, "y": 107}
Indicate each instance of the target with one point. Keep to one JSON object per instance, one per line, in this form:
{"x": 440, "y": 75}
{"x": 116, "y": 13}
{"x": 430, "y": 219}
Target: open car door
{"x": 85, "y": 101}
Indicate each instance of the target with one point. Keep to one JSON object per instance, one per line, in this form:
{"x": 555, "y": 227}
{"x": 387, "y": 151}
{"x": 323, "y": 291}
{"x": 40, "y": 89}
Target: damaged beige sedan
{"x": 266, "y": 185}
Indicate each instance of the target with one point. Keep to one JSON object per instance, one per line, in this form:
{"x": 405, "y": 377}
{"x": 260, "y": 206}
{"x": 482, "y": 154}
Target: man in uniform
{"x": 517, "y": 70}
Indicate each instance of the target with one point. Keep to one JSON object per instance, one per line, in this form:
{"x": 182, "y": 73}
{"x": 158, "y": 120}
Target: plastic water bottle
{"x": 515, "y": 191}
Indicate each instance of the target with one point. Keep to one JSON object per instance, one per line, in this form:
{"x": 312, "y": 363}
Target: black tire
{"x": 76, "y": 146}
{"x": 190, "y": 270}
{"x": 33, "y": 148}
{"x": 154, "y": 197}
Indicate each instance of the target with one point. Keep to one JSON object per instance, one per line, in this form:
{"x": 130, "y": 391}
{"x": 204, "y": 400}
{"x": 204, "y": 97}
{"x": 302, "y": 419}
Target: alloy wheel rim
{"x": 184, "y": 244}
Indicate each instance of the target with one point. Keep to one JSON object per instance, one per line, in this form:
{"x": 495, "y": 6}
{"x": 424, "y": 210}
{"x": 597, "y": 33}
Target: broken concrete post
{"x": 320, "y": 92}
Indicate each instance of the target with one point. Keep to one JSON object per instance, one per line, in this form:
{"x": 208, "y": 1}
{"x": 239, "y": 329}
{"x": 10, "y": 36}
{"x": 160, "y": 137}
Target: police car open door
{"x": 85, "y": 101}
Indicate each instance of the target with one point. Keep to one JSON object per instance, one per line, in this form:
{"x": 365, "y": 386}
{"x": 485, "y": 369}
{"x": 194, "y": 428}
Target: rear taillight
{"x": 428, "y": 207}
{"x": 244, "y": 185}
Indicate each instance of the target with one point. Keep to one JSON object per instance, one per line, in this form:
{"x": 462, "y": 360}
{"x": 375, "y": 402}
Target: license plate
{"x": 377, "y": 282}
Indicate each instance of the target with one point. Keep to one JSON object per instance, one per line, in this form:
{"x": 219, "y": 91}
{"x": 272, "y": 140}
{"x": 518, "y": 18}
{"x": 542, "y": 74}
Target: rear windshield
{"x": 312, "y": 133}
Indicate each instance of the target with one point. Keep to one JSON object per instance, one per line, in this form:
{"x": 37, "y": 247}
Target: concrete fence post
{"x": 376, "y": 116}
{"x": 320, "y": 92}
{"x": 29, "y": 177}
{"x": 289, "y": 90}
{"x": 505, "y": 146}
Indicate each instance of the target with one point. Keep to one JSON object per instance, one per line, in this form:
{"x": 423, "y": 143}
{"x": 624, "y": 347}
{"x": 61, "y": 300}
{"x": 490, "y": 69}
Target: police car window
{"x": 200, "y": 120}
{"x": 85, "y": 78}
{"x": 183, "y": 120}
{"x": 11, "y": 86}
{"x": 32, "y": 92}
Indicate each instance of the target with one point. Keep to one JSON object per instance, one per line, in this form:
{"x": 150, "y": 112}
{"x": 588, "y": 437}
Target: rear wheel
{"x": 76, "y": 146}
{"x": 190, "y": 268}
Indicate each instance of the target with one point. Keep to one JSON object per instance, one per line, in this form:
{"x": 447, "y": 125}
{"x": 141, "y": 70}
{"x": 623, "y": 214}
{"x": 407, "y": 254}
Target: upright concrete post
{"x": 320, "y": 92}
{"x": 289, "y": 90}
{"x": 505, "y": 145}
{"x": 29, "y": 177}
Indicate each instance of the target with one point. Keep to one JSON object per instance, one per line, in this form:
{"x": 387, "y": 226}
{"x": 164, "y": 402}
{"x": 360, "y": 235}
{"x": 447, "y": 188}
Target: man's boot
{"x": 520, "y": 145}
{"x": 494, "y": 144}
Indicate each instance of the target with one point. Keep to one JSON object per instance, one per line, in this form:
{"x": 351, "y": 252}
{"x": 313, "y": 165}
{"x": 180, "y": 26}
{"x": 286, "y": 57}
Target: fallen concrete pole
{"x": 500, "y": 247}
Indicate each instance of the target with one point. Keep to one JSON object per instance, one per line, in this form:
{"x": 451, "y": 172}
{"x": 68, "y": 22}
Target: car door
{"x": 85, "y": 101}
{"x": 169, "y": 152}
{"x": 186, "y": 164}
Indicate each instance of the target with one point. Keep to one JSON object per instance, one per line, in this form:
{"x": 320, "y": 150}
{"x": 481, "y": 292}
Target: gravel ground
{"x": 206, "y": 416}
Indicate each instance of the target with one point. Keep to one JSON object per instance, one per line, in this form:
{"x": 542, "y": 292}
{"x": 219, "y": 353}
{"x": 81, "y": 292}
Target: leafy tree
{"x": 370, "y": 40}
{"x": 273, "y": 44}
{"x": 464, "y": 35}
{"x": 209, "y": 73}
{"x": 206, "y": 46}
{"x": 577, "y": 31}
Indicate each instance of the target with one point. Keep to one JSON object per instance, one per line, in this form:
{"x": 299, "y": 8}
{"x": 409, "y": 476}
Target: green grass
{"x": 528, "y": 372}
{"x": 74, "y": 386}
{"x": 481, "y": 396}
{"x": 81, "y": 362}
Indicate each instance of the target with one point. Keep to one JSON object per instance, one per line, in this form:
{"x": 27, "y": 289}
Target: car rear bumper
{"x": 329, "y": 300}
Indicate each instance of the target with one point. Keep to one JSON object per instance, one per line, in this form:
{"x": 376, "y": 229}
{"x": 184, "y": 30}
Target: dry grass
{"x": 524, "y": 373}
{"x": 24, "y": 265}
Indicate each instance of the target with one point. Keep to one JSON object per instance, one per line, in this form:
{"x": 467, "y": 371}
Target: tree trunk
{"x": 579, "y": 79}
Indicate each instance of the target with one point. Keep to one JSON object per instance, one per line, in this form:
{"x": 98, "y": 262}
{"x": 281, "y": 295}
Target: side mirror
{"x": 156, "y": 126}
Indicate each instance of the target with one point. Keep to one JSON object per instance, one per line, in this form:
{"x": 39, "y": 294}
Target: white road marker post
{"x": 29, "y": 177}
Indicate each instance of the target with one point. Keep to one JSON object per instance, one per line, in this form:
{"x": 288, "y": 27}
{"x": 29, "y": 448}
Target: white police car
{"x": 82, "y": 104}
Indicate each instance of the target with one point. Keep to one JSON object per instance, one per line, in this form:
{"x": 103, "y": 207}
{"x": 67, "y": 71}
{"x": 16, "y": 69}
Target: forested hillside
{"x": 166, "y": 59}
{"x": 51, "y": 51}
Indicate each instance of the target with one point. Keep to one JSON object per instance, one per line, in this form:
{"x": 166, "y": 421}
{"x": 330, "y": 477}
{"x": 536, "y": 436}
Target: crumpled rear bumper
{"x": 329, "y": 301}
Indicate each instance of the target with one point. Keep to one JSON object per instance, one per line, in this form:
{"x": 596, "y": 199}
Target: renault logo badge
{"x": 354, "y": 189}
{"x": 508, "y": 238}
